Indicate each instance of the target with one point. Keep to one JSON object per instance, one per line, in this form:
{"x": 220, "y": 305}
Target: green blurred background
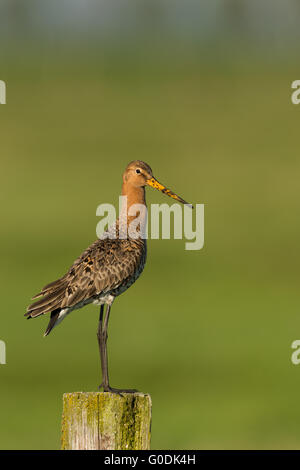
{"x": 202, "y": 94}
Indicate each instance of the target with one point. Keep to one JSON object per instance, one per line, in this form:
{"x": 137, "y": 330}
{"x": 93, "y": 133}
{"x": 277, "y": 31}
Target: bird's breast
{"x": 134, "y": 265}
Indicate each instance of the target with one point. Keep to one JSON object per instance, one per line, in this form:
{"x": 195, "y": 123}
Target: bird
{"x": 107, "y": 268}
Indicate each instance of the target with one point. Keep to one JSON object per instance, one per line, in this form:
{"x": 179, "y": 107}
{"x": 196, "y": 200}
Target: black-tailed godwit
{"x": 106, "y": 269}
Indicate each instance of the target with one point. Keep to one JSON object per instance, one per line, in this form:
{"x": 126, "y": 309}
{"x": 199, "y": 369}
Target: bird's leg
{"x": 102, "y": 339}
{"x": 102, "y": 348}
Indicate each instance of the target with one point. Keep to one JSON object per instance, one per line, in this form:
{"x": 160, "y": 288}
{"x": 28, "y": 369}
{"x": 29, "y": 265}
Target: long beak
{"x": 155, "y": 184}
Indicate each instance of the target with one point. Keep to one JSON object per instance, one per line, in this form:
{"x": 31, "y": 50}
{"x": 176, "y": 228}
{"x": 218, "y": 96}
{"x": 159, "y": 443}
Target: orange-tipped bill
{"x": 155, "y": 184}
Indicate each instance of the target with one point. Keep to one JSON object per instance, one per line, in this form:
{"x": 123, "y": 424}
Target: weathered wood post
{"x": 106, "y": 421}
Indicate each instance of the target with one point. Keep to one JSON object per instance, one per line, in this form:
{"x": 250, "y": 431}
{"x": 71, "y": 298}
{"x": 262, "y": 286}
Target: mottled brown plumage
{"x": 107, "y": 268}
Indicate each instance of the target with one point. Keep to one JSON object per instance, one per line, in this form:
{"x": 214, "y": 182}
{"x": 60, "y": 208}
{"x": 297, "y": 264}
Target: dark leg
{"x": 102, "y": 348}
{"x": 102, "y": 341}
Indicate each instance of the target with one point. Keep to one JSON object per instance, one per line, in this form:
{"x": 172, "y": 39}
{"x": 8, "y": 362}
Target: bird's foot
{"x": 118, "y": 391}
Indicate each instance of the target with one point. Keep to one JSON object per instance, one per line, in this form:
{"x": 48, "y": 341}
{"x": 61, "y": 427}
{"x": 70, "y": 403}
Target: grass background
{"x": 208, "y": 334}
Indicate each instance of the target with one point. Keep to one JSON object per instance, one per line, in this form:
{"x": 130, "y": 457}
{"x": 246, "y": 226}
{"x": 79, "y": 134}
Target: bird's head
{"x": 139, "y": 174}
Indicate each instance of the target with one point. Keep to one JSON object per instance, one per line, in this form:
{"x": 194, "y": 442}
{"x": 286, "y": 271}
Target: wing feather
{"x": 103, "y": 267}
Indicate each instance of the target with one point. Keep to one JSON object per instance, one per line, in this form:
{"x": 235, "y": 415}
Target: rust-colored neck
{"x": 134, "y": 195}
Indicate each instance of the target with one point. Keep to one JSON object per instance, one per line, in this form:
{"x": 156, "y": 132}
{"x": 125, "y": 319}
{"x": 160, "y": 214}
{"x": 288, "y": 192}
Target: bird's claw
{"x": 118, "y": 391}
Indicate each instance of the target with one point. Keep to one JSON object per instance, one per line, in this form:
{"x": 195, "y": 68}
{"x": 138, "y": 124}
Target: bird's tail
{"x": 53, "y": 319}
{"x": 51, "y": 299}
{"x": 51, "y": 295}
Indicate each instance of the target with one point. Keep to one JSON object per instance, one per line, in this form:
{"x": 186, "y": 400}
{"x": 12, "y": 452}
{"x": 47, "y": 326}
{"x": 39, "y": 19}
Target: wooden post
{"x": 106, "y": 421}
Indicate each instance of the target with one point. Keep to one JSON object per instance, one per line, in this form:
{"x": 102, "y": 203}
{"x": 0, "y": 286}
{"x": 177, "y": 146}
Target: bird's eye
{"x": 138, "y": 171}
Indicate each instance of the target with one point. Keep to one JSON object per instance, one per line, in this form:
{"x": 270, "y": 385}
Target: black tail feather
{"x": 53, "y": 318}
